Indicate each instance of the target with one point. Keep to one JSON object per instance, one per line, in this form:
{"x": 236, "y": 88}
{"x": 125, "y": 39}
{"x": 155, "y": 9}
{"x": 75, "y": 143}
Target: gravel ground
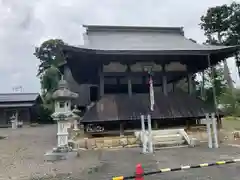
{"x": 21, "y": 157}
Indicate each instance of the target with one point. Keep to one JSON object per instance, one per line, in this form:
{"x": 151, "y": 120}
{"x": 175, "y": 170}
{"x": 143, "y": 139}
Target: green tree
{"x": 214, "y": 85}
{"x": 231, "y": 104}
{"x": 50, "y": 56}
{"x": 221, "y": 25}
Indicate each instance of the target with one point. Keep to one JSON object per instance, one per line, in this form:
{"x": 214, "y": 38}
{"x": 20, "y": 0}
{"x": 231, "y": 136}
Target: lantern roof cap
{"x": 63, "y": 91}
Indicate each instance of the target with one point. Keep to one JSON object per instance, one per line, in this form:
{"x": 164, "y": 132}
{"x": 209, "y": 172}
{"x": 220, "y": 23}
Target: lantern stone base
{"x": 60, "y": 153}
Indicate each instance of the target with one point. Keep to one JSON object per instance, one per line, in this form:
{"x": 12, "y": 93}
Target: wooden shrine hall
{"x": 110, "y": 72}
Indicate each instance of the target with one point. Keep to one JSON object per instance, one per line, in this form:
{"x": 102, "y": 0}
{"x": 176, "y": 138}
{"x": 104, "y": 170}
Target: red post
{"x": 139, "y": 172}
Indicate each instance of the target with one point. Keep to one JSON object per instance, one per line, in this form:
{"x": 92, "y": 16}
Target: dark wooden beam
{"x": 141, "y": 74}
{"x": 189, "y": 80}
{"x": 129, "y": 82}
{"x": 101, "y": 81}
{"x": 164, "y": 81}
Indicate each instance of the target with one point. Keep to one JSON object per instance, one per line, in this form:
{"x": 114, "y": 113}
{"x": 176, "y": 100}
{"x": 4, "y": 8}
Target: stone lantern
{"x": 63, "y": 114}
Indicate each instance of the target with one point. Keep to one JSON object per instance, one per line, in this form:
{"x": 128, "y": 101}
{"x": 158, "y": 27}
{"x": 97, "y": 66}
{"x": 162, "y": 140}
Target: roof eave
{"x": 230, "y": 49}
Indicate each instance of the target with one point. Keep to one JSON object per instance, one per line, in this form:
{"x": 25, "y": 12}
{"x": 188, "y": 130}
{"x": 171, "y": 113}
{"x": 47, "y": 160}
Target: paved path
{"x": 123, "y": 162}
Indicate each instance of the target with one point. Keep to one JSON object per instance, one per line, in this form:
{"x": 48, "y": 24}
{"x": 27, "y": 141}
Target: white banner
{"x": 151, "y": 92}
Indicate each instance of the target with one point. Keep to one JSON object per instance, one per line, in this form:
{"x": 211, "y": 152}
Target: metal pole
{"x": 150, "y": 143}
{"x": 143, "y": 135}
{"x": 215, "y": 134}
{"x": 209, "y": 132}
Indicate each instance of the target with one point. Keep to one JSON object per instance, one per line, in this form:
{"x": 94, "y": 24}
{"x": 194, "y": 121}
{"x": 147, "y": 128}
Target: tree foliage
{"x": 50, "y": 56}
{"x": 227, "y": 99}
{"x": 221, "y": 25}
{"x": 231, "y": 104}
{"x": 213, "y": 84}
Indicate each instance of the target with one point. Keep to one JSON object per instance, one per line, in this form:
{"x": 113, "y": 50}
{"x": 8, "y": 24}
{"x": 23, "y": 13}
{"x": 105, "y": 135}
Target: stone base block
{"x": 194, "y": 142}
{"x": 57, "y": 156}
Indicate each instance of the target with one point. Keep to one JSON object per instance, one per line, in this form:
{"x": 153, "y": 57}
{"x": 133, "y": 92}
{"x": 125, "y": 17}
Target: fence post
{"x": 150, "y": 139}
{"x": 139, "y": 172}
{"x": 209, "y": 131}
{"x": 215, "y": 133}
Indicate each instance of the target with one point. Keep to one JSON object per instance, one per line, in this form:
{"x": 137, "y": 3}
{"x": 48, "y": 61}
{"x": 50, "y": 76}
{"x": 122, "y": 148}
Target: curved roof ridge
{"x": 165, "y": 29}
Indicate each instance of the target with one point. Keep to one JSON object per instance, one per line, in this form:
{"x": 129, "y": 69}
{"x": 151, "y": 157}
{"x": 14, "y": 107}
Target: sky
{"x": 25, "y": 24}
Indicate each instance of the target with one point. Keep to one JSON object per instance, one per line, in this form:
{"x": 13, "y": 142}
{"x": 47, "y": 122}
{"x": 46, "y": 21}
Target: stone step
{"x": 172, "y": 140}
{"x": 168, "y": 138}
{"x": 167, "y": 135}
{"x": 169, "y": 143}
{"x": 165, "y": 132}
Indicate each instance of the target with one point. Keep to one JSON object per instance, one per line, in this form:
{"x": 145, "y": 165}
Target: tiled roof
{"x": 18, "y": 97}
{"x": 14, "y": 105}
{"x": 126, "y": 39}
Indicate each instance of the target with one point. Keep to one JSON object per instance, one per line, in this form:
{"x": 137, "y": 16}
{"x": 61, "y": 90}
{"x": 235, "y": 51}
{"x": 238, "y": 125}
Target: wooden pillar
{"x": 189, "y": 80}
{"x": 29, "y": 116}
{"x": 129, "y": 82}
{"x": 121, "y": 129}
{"x": 101, "y": 81}
{"x": 173, "y": 87}
{"x": 202, "y": 86}
{"x": 164, "y": 82}
{"x": 17, "y": 115}
{"x": 188, "y": 124}
{"x": 155, "y": 124}
{"x": 5, "y": 117}
{"x": 219, "y": 123}
{"x": 118, "y": 81}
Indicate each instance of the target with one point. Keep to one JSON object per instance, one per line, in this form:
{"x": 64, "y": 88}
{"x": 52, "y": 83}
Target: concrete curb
{"x": 234, "y": 145}
{"x": 171, "y": 147}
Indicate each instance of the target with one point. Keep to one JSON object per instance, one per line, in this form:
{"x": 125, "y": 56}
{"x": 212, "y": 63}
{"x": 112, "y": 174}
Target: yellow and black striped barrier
{"x": 139, "y": 174}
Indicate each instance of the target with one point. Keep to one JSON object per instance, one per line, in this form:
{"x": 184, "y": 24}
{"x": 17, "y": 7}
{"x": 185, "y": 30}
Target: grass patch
{"x": 231, "y": 123}
{"x": 2, "y": 137}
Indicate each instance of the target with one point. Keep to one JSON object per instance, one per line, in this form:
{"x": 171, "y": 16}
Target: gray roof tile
{"x": 13, "y": 105}
{"x": 141, "y": 38}
{"x": 18, "y": 97}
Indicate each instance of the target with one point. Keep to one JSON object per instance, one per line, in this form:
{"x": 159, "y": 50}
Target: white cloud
{"x": 26, "y": 23}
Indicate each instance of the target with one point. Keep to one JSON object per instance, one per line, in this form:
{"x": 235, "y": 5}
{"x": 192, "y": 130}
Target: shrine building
{"x": 110, "y": 72}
